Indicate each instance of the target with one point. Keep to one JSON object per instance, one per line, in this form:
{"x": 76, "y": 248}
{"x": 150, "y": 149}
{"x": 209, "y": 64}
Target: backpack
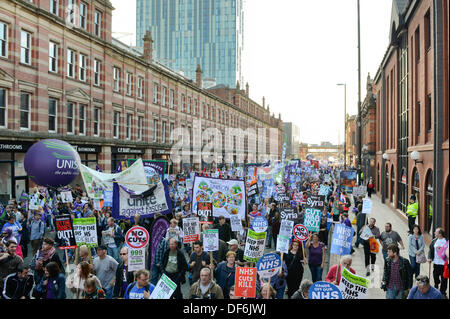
{"x": 131, "y": 286}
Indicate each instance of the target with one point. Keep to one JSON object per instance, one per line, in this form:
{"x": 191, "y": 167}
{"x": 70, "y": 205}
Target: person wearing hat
{"x": 233, "y": 245}
{"x": 411, "y": 211}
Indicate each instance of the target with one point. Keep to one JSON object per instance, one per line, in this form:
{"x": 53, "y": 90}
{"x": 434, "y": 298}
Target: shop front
{"x": 163, "y": 155}
{"x": 13, "y": 178}
{"x": 121, "y": 155}
{"x": 88, "y": 154}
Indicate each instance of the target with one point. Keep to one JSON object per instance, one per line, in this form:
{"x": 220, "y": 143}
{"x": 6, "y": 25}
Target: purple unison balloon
{"x": 52, "y": 163}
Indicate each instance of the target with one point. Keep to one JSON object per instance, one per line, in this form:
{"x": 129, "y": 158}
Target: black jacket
{"x": 406, "y": 274}
{"x": 15, "y": 289}
{"x": 224, "y": 231}
{"x": 119, "y": 292}
{"x": 182, "y": 265}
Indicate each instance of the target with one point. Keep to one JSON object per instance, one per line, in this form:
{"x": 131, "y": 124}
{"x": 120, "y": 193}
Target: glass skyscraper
{"x": 191, "y": 32}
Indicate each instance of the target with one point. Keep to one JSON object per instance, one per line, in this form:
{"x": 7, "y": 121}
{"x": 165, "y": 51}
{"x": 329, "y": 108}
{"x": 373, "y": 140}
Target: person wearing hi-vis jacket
{"x": 412, "y": 210}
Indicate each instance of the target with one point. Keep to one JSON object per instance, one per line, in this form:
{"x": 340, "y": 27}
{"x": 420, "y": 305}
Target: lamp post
{"x": 345, "y": 122}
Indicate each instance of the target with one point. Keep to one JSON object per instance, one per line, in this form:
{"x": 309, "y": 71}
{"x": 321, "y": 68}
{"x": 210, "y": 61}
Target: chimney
{"x": 198, "y": 76}
{"x": 268, "y": 108}
{"x": 246, "y": 89}
{"x": 264, "y": 102}
{"x": 148, "y": 47}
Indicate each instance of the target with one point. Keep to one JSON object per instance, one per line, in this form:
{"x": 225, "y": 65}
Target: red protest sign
{"x": 137, "y": 237}
{"x": 204, "y": 212}
{"x": 245, "y": 282}
{"x": 301, "y": 232}
{"x": 64, "y": 232}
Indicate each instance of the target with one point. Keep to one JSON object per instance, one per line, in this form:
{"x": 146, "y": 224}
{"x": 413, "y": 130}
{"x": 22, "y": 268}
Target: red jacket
{"x": 331, "y": 276}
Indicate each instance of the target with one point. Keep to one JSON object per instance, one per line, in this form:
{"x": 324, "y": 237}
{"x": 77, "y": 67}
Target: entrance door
{"x": 6, "y": 170}
{"x": 21, "y": 185}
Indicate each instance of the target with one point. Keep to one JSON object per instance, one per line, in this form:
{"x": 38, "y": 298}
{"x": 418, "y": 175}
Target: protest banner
{"x": 211, "y": 240}
{"x": 301, "y": 232}
{"x": 283, "y": 243}
{"x": 137, "y": 237}
{"x": 154, "y": 170}
{"x": 107, "y": 198}
{"x": 324, "y": 290}
{"x": 236, "y": 223}
{"x": 286, "y": 228}
{"x": 253, "y": 190}
{"x": 353, "y": 286}
{"x": 259, "y": 224}
{"x": 281, "y": 197}
{"x": 312, "y": 219}
{"x": 164, "y": 288}
{"x": 157, "y": 232}
{"x": 191, "y": 229}
{"x": 268, "y": 265}
{"x": 359, "y": 191}
{"x": 136, "y": 259}
{"x": 348, "y": 180}
{"x": 226, "y": 195}
{"x": 204, "y": 212}
{"x": 126, "y": 205}
{"x": 367, "y": 206}
{"x": 317, "y": 202}
{"x": 289, "y": 214}
{"x": 245, "y": 282}
{"x": 254, "y": 246}
{"x": 341, "y": 242}
{"x": 85, "y": 231}
{"x": 66, "y": 197}
{"x": 64, "y": 232}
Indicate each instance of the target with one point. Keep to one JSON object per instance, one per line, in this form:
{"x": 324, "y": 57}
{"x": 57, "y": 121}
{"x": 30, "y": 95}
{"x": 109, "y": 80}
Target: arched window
{"x": 416, "y": 185}
{"x": 386, "y": 184}
{"x": 428, "y": 200}
{"x": 392, "y": 185}
{"x": 378, "y": 177}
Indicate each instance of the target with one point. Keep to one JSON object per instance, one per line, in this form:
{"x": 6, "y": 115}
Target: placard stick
{"x": 67, "y": 261}
{"x": 281, "y": 266}
{"x": 303, "y": 250}
{"x": 211, "y": 263}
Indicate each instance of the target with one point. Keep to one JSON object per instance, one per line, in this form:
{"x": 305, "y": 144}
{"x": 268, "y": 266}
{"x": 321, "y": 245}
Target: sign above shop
{"x": 127, "y": 150}
{"x": 87, "y": 148}
{"x": 13, "y": 146}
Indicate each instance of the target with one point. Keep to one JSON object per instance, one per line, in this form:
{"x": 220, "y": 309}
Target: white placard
{"x": 211, "y": 240}
{"x": 136, "y": 259}
{"x": 236, "y": 223}
{"x": 367, "y": 206}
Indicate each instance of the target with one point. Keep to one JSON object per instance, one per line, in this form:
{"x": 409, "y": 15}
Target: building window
{"x": 140, "y": 87}
{"x": 392, "y": 185}
{"x": 139, "y": 131}
{"x": 417, "y": 44}
{"x": 155, "y": 130}
{"x": 3, "y": 108}
{"x": 171, "y": 126}
{"x": 96, "y": 72}
{"x": 128, "y": 126}
{"x": 25, "y": 101}
{"x": 116, "y": 125}
{"x": 171, "y": 98}
{"x": 164, "y": 93}
{"x": 428, "y": 33}
{"x": 70, "y": 110}
{"x": 195, "y": 106}
{"x": 163, "y": 132}
{"x": 155, "y": 93}
{"x": 429, "y": 119}
{"x": 3, "y": 40}
{"x": 71, "y": 11}
{"x": 53, "y": 57}
{"x": 97, "y": 22}
{"x": 189, "y": 105}
{"x": 70, "y": 63}
{"x": 54, "y": 6}
{"x": 116, "y": 76}
{"x": 83, "y": 11}
{"x": 418, "y": 118}
{"x": 129, "y": 83}
{"x": 183, "y": 103}
{"x": 82, "y": 119}
{"x": 96, "y": 121}
{"x": 25, "y": 47}
{"x": 52, "y": 115}
{"x": 82, "y": 65}
{"x": 428, "y": 201}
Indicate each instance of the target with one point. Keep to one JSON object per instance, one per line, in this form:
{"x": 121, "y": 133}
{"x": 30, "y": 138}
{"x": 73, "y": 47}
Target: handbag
{"x": 420, "y": 258}
{"x": 374, "y": 246}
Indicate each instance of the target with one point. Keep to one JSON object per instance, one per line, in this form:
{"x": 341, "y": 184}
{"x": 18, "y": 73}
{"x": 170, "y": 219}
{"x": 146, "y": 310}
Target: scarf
{"x": 48, "y": 254}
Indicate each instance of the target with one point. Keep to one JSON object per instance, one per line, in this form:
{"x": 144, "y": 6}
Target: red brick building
{"x": 350, "y": 141}
{"x": 63, "y": 76}
{"x": 368, "y": 131}
{"x": 412, "y": 112}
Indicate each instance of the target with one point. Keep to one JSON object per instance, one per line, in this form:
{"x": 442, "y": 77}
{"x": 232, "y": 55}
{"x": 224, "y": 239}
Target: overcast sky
{"x": 296, "y": 51}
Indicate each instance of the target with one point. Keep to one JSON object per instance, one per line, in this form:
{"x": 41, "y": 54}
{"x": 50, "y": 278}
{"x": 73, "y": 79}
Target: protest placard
{"x": 204, "y": 212}
{"x": 367, "y": 206}
{"x": 164, "y": 288}
{"x": 97, "y": 204}
{"x": 268, "y": 265}
{"x": 245, "y": 282}
{"x": 85, "y": 231}
{"x": 353, "y": 286}
{"x": 64, "y": 232}
{"x": 366, "y": 233}
{"x": 341, "y": 243}
{"x": 316, "y": 202}
{"x": 301, "y": 232}
{"x": 283, "y": 243}
{"x": 107, "y": 198}
{"x": 66, "y": 197}
{"x": 191, "y": 229}
{"x": 286, "y": 227}
{"x": 136, "y": 259}
{"x": 211, "y": 240}
{"x": 324, "y": 290}
{"x": 259, "y": 224}
{"x": 236, "y": 223}
{"x": 254, "y": 246}
{"x": 324, "y": 190}
{"x": 253, "y": 190}
{"x": 312, "y": 219}
{"x": 289, "y": 214}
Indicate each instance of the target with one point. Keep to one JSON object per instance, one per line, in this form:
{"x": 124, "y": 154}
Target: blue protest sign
{"x": 260, "y": 224}
{"x": 341, "y": 243}
{"x": 268, "y": 265}
{"x": 107, "y": 198}
{"x": 324, "y": 290}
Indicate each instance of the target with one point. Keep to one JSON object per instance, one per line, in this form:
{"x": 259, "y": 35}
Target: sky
{"x": 296, "y": 51}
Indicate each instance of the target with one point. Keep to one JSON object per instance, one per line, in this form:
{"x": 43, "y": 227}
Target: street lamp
{"x": 386, "y": 157}
{"x": 345, "y": 122}
{"x": 415, "y": 156}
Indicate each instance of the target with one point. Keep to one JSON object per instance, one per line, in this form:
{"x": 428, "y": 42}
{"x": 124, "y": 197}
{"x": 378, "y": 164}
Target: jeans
{"x": 394, "y": 293}
{"x": 438, "y": 275}
{"x": 280, "y": 293}
{"x": 414, "y": 265}
{"x": 369, "y": 258}
{"x": 411, "y": 222}
{"x": 154, "y": 275}
{"x": 269, "y": 237}
{"x": 316, "y": 273}
{"x": 109, "y": 292}
{"x": 114, "y": 252}
{"x": 385, "y": 255}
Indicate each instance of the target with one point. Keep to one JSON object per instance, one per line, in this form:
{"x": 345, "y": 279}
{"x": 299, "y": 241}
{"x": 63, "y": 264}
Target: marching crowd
{"x": 102, "y": 272}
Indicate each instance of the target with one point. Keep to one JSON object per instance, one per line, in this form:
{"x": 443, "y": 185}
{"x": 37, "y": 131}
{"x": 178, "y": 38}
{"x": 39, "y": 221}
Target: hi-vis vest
{"x": 430, "y": 209}
{"x": 412, "y": 209}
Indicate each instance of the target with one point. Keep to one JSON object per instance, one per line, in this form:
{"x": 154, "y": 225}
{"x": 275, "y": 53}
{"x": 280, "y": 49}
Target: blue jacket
{"x": 412, "y": 245}
{"x": 58, "y": 287}
{"x": 277, "y": 282}
{"x": 224, "y": 277}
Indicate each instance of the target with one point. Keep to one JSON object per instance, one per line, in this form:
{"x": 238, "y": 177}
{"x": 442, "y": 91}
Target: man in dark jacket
{"x": 18, "y": 285}
{"x": 360, "y": 222}
{"x": 123, "y": 276}
{"x": 397, "y": 276}
{"x": 224, "y": 229}
{"x": 174, "y": 265}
